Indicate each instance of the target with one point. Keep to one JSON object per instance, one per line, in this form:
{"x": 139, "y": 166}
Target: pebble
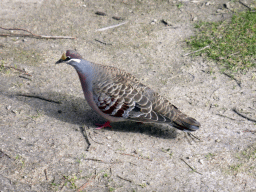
{"x": 166, "y": 22}
{"x": 14, "y": 111}
{"x": 27, "y": 70}
{"x": 108, "y": 137}
{"x": 227, "y": 5}
{"x": 240, "y": 132}
{"x": 220, "y": 11}
{"x": 153, "y": 22}
{"x": 217, "y": 140}
{"x": 200, "y": 161}
{"x": 195, "y": 19}
{"x": 8, "y": 107}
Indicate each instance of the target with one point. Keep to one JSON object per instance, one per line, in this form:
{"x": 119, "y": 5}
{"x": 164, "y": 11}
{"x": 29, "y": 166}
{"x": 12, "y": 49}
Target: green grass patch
{"x": 71, "y": 180}
{"x": 231, "y": 43}
{"x": 245, "y": 162}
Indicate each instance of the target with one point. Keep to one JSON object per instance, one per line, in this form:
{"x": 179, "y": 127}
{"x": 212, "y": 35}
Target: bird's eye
{"x": 68, "y": 58}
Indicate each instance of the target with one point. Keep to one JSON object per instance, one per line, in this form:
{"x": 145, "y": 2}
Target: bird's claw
{"x": 107, "y": 124}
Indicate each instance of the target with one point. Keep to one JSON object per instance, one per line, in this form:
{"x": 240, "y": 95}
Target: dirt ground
{"x": 42, "y": 147}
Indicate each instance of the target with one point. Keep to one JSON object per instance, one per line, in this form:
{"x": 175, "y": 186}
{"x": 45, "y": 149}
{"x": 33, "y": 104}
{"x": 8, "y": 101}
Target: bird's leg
{"x": 107, "y": 124}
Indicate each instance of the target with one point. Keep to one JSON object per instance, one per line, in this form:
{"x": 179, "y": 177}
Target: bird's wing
{"x": 121, "y": 95}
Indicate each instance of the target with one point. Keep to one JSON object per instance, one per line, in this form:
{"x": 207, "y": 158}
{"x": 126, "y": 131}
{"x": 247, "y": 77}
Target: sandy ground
{"x": 42, "y": 147}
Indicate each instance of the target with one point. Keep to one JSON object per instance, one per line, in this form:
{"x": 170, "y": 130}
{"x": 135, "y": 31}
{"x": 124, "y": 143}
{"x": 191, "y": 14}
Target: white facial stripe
{"x": 76, "y": 60}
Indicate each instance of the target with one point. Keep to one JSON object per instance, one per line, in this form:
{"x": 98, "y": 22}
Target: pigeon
{"x": 119, "y": 96}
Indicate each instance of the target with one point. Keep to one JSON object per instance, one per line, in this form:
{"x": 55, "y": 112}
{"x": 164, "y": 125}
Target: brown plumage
{"x": 118, "y": 96}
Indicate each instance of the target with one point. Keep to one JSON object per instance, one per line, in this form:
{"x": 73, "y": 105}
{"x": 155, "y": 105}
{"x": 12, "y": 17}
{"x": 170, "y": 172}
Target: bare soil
{"x": 42, "y": 147}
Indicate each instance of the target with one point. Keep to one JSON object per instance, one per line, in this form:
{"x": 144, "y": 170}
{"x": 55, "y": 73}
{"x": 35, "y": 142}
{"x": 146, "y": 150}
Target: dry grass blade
{"x": 193, "y": 169}
{"x": 196, "y": 50}
{"x": 86, "y": 184}
{"x": 124, "y": 179}
{"x": 244, "y": 116}
{"x": 83, "y": 130}
{"x": 31, "y": 35}
{"x": 39, "y": 97}
{"x": 112, "y": 26}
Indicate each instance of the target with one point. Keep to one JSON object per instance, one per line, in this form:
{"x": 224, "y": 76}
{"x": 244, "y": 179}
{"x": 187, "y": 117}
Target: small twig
{"x": 165, "y": 22}
{"x": 214, "y": 92}
{"x": 17, "y": 29}
{"x": 94, "y": 140}
{"x": 117, "y": 18}
{"x": 102, "y": 42}
{"x": 245, "y": 5}
{"x": 136, "y": 156}
{"x": 83, "y": 130}
{"x": 251, "y": 131}
{"x": 230, "y": 76}
{"x": 32, "y": 35}
{"x": 112, "y": 26}
{"x": 124, "y": 178}
{"x": 92, "y": 159}
{"x": 244, "y": 116}
{"x": 55, "y": 37}
{"x": 226, "y": 117}
{"x": 193, "y": 169}
{"x": 20, "y": 70}
{"x": 4, "y": 154}
{"x": 37, "y": 36}
{"x": 192, "y": 76}
{"x": 187, "y": 138}
{"x": 25, "y": 77}
{"x": 39, "y": 97}
{"x": 45, "y": 172}
{"x": 197, "y": 50}
{"x": 128, "y": 154}
{"x": 193, "y": 136}
{"x": 86, "y": 184}
{"x": 100, "y": 161}
{"x": 100, "y": 13}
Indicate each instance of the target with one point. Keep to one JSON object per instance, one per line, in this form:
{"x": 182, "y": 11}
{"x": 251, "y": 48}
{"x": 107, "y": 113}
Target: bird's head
{"x": 84, "y": 68}
{"x": 71, "y": 57}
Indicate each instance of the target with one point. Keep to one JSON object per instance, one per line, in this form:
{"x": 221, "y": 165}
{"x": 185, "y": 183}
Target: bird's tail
{"x": 186, "y": 123}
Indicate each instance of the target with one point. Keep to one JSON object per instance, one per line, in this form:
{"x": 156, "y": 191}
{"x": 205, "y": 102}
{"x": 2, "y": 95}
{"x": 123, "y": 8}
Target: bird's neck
{"x": 84, "y": 83}
{"x": 85, "y": 73}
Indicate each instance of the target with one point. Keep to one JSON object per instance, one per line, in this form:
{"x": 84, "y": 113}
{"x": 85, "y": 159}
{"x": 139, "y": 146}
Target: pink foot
{"x": 107, "y": 124}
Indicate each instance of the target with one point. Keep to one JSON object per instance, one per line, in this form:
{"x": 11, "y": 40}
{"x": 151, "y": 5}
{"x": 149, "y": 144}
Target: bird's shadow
{"x": 75, "y": 110}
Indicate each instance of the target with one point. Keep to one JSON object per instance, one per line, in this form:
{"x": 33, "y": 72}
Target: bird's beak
{"x": 62, "y": 59}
